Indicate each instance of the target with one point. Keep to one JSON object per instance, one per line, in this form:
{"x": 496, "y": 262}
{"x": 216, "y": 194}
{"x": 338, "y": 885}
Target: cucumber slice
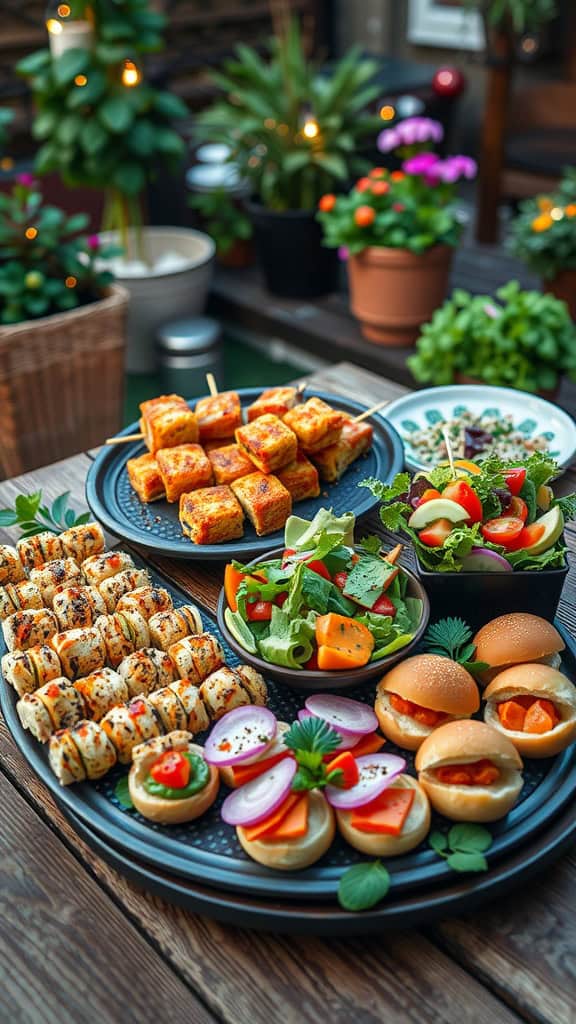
{"x": 240, "y": 631}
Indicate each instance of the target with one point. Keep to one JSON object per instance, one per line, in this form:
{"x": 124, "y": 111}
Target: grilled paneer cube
{"x": 75, "y": 607}
{"x": 81, "y": 651}
{"x": 211, "y": 515}
{"x": 268, "y": 442}
{"x": 166, "y": 628}
{"x": 146, "y": 670}
{"x": 300, "y": 478}
{"x": 265, "y": 501}
{"x": 218, "y": 415}
{"x": 145, "y": 479}
{"x": 53, "y": 575}
{"x": 315, "y": 424}
{"x": 29, "y": 628}
{"x": 276, "y": 401}
{"x": 100, "y": 691}
{"x": 217, "y": 442}
{"x": 167, "y": 421}
{"x": 115, "y": 587}
{"x": 100, "y": 567}
{"x": 81, "y": 542}
{"x": 354, "y": 441}
{"x": 43, "y": 547}
{"x": 195, "y": 657}
{"x": 183, "y": 469}
{"x": 230, "y": 463}
{"x": 11, "y": 568}
{"x": 14, "y": 597}
{"x": 27, "y": 670}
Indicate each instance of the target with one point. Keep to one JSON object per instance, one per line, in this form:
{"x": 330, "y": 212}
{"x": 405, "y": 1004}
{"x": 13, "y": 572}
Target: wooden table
{"x": 79, "y": 943}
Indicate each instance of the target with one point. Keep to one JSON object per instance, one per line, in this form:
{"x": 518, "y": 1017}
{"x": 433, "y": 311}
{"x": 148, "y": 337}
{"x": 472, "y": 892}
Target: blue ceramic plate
{"x": 156, "y": 526}
{"x": 531, "y": 415}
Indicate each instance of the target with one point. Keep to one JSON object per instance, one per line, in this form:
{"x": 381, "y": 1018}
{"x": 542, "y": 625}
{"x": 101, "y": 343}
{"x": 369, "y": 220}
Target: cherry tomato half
{"x": 518, "y": 508}
{"x": 528, "y": 536}
{"x": 171, "y": 769}
{"x": 259, "y": 611}
{"x": 281, "y": 598}
{"x": 435, "y": 534}
{"x": 461, "y": 492}
{"x": 503, "y": 530}
{"x": 384, "y": 606}
{"x": 340, "y": 579}
{"x": 515, "y": 479}
{"x": 318, "y": 567}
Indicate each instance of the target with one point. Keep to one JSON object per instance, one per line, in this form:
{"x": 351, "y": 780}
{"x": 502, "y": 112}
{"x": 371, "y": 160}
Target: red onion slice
{"x": 345, "y": 715}
{"x": 242, "y": 733}
{"x": 377, "y": 771}
{"x": 347, "y": 741}
{"x": 261, "y": 797}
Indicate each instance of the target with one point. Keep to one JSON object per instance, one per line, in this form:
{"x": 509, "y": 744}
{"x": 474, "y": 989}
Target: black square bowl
{"x": 478, "y": 597}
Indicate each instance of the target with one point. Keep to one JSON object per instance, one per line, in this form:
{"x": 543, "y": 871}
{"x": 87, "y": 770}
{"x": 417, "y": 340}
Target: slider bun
{"x": 542, "y": 682}
{"x": 293, "y": 854}
{"x": 464, "y": 742}
{"x": 171, "y": 812}
{"x": 416, "y": 826}
{"x": 275, "y": 747}
{"x": 515, "y": 638}
{"x": 431, "y": 681}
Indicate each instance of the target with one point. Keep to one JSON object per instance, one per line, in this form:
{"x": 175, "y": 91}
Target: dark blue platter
{"x": 156, "y": 526}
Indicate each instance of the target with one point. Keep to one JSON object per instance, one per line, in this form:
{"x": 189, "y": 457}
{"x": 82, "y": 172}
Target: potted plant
{"x": 102, "y": 125}
{"x": 543, "y": 236}
{"x": 399, "y": 230}
{"x": 225, "y": 220}
{"x": 520, "y": 339}
{"x": 62, "y": 334}
{"x": 293, "y": 130}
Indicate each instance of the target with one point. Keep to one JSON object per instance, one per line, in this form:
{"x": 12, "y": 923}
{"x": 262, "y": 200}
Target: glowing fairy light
{"x": 310, "y": 128}
{"x": 130, "y": 74}
{"x": 31, "y": 233}
{"x": 80, "y": 80}
{"x": 71, "y": 282}
{"x": 387, "y": 112}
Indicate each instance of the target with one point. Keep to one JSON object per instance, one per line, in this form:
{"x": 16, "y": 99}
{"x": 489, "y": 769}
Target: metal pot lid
{"x": 190, "y": 335}
{"x": 208, "y": 177}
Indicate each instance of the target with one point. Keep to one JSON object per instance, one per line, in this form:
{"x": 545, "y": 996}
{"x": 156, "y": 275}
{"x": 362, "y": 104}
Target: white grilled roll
{"x": 167, "y": 628}
{"x": 64, "y": 758}
{"x": 254, "y": 683}
{"x": 81, "y": 651}
{"x": 29, "y": 628}
{"x": 27, "y": 670}
{"x": 15, "y": 597}
{"x": 51, "y": 576}
{"x": 56, "y": 705}
{"x": 98, "y": 568}
{"x": 195, "y": 657}
{"x": 130, "y": 724}
{"x": 222, "y": 691}
{"x": 122, "y": 635}
{"x": 197, "y": 719}
{"x": 11, "y": 568}
{"x": 81, "y": 542}
{"x": 169, "y": 709}
{"x": 137, "y": 627}
{"x": 97, "y": 753}
{"x": 101, "y": 691}
{"x": 113, "y": 588}
{"x": 43, "y": 547}
{"x": 159, "y": 809}
{"x": 146, "y": 670}
{"x": 77, "y": 606}
{"x": 148, "y": 601}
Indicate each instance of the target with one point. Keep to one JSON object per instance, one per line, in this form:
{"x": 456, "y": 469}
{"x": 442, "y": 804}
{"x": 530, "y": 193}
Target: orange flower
{"x": 364, "y": 216}
{"x": 327, "y": 203}
{"x": 380, "y": 188}
{"x": 545, "y": 204}
{"x": 363, "y": 184}
{"x": 542, "y": 223}
{"x": 570, "y": 210}
{"x": 397, "y": 175}
{"x": 378, "y": 172}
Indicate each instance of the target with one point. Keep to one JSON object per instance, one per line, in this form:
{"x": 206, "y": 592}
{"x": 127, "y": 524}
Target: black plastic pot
{"x": 478, "y": 597}
{"x": 289, "y": 248}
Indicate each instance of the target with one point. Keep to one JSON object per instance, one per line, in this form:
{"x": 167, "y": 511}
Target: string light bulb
{"x": 310, "y": 128}
{"x": 67, "y": 30}
{"x": 80, "y": 80}
{"x": 31, "y": 233}
{"x": 556, "y": 213}
{"x": 130, "y": 74}
{"x": 387, "y": 112}
{"x": 71, "y": 282}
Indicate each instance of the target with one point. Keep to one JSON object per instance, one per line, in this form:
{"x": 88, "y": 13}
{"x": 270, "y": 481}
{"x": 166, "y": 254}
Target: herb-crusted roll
{"x": 11, "y": 568}
{"x": 56, "y": 705}
{"x": 98, "y": 568}
{"x": 222, "y": 691}
{"x": 148, "y": 601}
{"x": 64, "y": 758}
{"x": 166, "y": 628}
{"x": 77, "y": 606}
{"x": 27, "y": 670}
{"x": 169, "y": 709}
{"x": 113, "y": 588}
{"x": 16, "y": 597}
{"x": 100, "y": 691}
{"x": 122, "y": 633}
{"x": 43, "y": 547}
{"x": 146, "y": 670}
{"x": 84, "y": 541}
{"x": 196, "y": 657}
{"x": 81, "y": 651}
{"x": 254, "y": 683}
{"x": 130, "y": 724}
{"x": 51, "y": 576}
{"x": 29, "y": 628}
{"x": 196, "y": 713}
{"x": 96, "y": 751}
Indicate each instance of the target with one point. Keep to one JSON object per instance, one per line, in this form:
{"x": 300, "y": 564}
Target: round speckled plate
{"x": 156, "y": 526}
{"x": 207, "y": 851}
{"x": 531, "y": 415}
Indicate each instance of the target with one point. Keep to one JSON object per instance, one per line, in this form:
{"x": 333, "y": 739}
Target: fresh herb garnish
{"x": 310, "y": 740}
{"x": 362, "y": 886}
{"x": 393, "y": 513}
{"x": 122, "y": 794}
{"x": 464, "y": 847}
{"x": 32, "y": 517}
{"x": 451, "y": 638}
{"x": 567, "y": 506}
{"x": 371, "y": 544}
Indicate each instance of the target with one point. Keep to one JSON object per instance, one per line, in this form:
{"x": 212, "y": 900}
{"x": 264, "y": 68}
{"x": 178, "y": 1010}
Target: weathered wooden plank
{"x": 69, "y": 954}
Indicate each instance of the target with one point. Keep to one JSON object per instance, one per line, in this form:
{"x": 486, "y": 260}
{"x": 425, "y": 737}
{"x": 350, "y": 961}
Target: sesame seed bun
{"x": 515, "y": 638}
{"x": 540, "y": 681}
{"x": 416, "y": 826}
{"x": 294, "y": 854}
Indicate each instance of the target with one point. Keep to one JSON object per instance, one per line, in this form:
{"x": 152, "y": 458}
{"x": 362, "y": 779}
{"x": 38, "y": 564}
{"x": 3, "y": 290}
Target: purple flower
{"x": 343, "y": 253}
{"x": 93, "y": 242}
{"x": 410, "y": 131}
{"x": 25, "y": 179}
{"x": 420, "y": 163}
{"x": 453, "y": 168}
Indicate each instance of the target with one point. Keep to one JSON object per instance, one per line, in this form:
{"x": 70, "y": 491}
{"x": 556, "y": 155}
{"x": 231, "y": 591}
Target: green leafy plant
{"x": 520, "y": 339}
{"x": 33, "y": 517}
{"x": 45, "y": 266}
{"x": 223, "y": 219}
{"x": 364, "y": 885}
{"x": 310, "y": 740}
{"x": 451, "y": 638}
{"x": 543, "y": 234}
{"x": 294, "y": 131}
{"x": 521, "y": 15}
{"x": 99, "y": 122}
{"x": 464, "y": 847}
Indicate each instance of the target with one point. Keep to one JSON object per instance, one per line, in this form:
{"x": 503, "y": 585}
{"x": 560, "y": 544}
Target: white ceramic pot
{"x": 163, "y": 294}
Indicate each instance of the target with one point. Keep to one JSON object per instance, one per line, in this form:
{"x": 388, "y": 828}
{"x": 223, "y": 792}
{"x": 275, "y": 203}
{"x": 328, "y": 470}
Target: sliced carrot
{"x": 426, "y": 716}
{"x": 394, "y": 555}
{"x": 473, "y": 773}
{"x": 485, "y": 775}
{"x": 346, "y": 764}
{"x": 386, "y": 815}
{"x": 512, "y": 714}
{"x": 343, "y": 643}
{"x": 541, "y": 717}
{"x": 255, "y": 831}
{"x": 232, "y": 580}
{"x": 332, "y": 659}
{"x": 294, "y": 825}
{"x": 368, "y": 745}
{"x": 246, "y": 772}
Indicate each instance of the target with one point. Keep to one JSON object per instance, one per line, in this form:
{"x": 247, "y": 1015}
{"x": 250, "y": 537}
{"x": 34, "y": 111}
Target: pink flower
{"x": 25, "y": 179}
{"x": 491, "y": 310}
{"x": 420, "y": 163}
{"x": 410, "y": 131}
{"x": 453, "y": 168}
{"x": 343, "y": 253}
{"x": 93, "y": 242}
{"x": 398, "y": 207}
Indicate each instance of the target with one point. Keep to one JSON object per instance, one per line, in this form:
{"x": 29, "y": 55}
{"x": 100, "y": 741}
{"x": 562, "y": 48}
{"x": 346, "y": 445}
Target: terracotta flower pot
{"x": 394, "y": 291}
{"x": 563, "y": 286}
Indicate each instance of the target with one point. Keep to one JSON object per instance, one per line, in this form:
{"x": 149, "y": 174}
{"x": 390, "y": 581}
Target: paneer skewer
{"x": 354, "y": 441}
{"x": 168, "y": 421}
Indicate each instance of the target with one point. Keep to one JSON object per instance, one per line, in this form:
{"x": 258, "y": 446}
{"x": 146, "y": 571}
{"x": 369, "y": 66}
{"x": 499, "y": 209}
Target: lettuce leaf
{"x": 290, "y": 641}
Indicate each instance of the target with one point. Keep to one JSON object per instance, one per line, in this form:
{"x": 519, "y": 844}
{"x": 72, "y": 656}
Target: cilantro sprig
{"x": 33, "y": 517}
{"x": 362, "y": 886}
{"x": 464, "y": 847}
{"x": 310, "y": 740}
{"x": 452, "y": 638}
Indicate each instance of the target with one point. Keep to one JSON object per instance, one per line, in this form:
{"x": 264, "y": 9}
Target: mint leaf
{"x": 438, "y": 842}
{"x": 467, "y": 862}
{"x": 58, "y": 507}
{"x": 122, "y": 793}
{"x": 468, "y": 838}
{"x": 27, "y": 505}
{"x": 8, "y": 517}
{"x": 363, "y": 886}
{"x": 387, "y": 492}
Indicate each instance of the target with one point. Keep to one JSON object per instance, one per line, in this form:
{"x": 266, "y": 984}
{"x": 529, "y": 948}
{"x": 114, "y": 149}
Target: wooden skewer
{"x": 124, "y": 439}
{"x": 301, "y": 388}
{"x": 369, "y": 412}
{"x": 212, "y": 386}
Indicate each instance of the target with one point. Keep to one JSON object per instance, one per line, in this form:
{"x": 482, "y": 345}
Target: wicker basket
{"x": 61, "y": 383}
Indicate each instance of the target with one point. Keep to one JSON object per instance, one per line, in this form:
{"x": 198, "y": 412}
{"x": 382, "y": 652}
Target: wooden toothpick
{"x": 213, "y": 388}
{"x": 370, "y": 412}
{"x": 124, "y": 439}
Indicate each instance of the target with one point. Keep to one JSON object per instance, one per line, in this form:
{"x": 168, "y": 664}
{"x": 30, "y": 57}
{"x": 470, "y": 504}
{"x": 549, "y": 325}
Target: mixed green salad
{"x": 326, "y": 603}
{"x": 496, "y": 515}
